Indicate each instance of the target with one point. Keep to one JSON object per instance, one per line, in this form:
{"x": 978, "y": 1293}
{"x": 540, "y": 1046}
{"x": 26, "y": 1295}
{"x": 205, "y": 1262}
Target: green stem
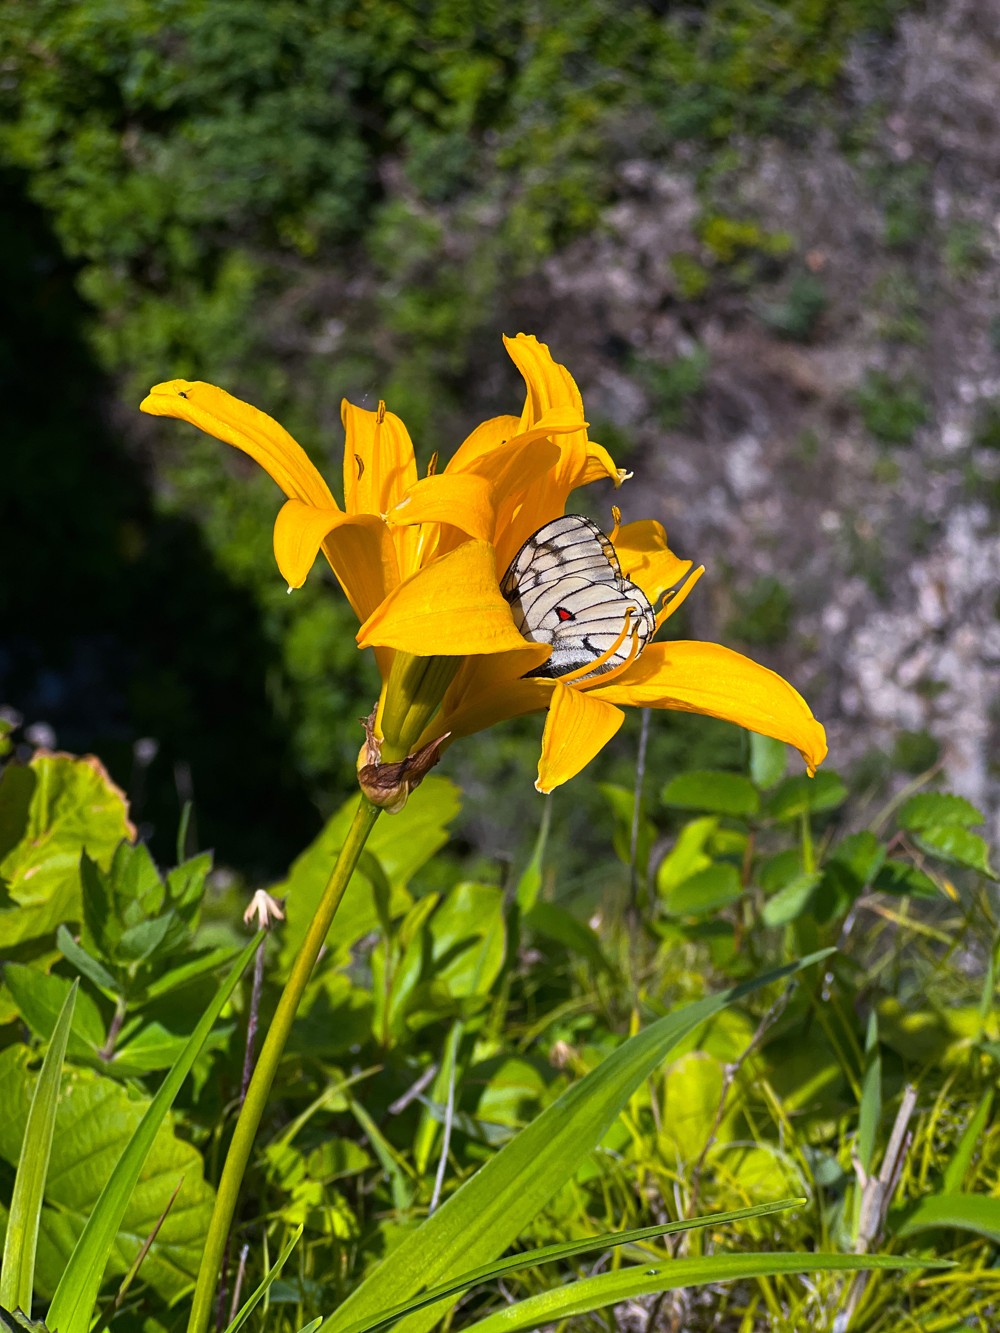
{"x": 263, "y": 1075}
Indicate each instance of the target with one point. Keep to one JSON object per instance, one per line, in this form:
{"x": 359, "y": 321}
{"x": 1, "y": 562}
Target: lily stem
{"x": 257, "y": 1092}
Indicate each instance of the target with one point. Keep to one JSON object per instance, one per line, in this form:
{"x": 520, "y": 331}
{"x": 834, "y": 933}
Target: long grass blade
{"x": 17, "y": 1270}
{"x": 564, "y": 1250}
{"x": 596, "y": 1293}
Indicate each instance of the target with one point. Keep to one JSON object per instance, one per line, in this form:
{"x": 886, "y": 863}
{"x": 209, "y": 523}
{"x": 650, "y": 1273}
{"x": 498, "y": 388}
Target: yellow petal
{"x": 378, "y": 459}
{"x": 577, "y": 727}
{"x": 600, "y": 466}
{"x": 548, "y": 383}
{"x": 379, "y": 466}
{"x": 487, "y": 436}
{"x": 464, "y": 500}
{"x": 707, "y": 678}
{"x": 299, "y": 532}
{"x": 358, "y": 548}
{"x": 647, "y": 560}
{"x": 550, "y": 388}
{"x": 490, "y": 689}
{"x": 237, "y": 423}
{"x": 452, "y": 606}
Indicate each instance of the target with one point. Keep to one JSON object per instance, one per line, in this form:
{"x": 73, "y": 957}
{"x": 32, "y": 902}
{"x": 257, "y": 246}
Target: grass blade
{"x": 247, "y": 1308}
{"x": 564, "y": 1250}
{"x": 488, "y": 1212}
{"x": 17, "y": 1271}
{"x": 72, "y": 1308}
{"x": 595, "y": 1293}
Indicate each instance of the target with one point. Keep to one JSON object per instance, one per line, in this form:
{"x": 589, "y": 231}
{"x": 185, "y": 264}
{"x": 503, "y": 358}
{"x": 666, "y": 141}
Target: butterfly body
{"x": 566, "y": 588}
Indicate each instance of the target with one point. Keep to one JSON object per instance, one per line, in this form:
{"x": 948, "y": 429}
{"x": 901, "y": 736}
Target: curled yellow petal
{"x": 707, "y": 678}
{"x": 299, "y": 532}
{"x": 548, "y": 384}
{"x": 237, "y": 423}
{"x": 453, "y": 606}
{"x": 646, "y": 558}
{"x": 491, "y": 688}
{"x": 577, "y": 727}
{"x": 358, "y": 548}
{"x": 487, "y": 436}
{"x": 463, "y": 500}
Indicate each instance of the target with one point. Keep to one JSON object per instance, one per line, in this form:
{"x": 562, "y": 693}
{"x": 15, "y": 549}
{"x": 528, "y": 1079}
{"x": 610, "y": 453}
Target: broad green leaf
{"x": 789, "y": 903}
{"x": 706, "y": 891}
{"x": 691, "y": 1093}
{"x": 50, "y": 810}
{"x": 768, "y": 760}
{"x": 801, "y": 795}
{"x": 40, "y": 999}
{"x": 17, "y": 1271}
{"x": 860, "y": 855}
{"x": 687, "y": 856}
{"x": 933, "y": 809}
{"x": 469, "y": 939}
{"x": 489, "y": 1211}
{"x": 95, "y": 1120}
{"x": 565, "y": 1250}
{"x": 596, "y": 1293}
{"x": 966, "y": 1212}
{"x": 73, "y": 1303}
{"x": 719, "y": 793}
{"x": 957, "y": 846}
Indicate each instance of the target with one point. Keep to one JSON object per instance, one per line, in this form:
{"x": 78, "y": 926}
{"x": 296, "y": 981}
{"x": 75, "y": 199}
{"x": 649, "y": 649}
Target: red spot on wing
{"x": 563, "y": 614}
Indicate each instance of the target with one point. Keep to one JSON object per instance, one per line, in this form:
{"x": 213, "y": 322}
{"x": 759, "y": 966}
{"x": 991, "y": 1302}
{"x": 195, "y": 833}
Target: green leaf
{"x": 41, "y": 998}
{"x": 491, "y": 1209}
{"x": 719, "y": 793}
{"x": 555, "y": 923}
{"x": 789, "y": 903}
{"x": 955, "y": 1172}
{"x": 50, "y": 810}
{"x": 687, "y": 856}
{"x": 469, "y": 939}
{"x": 966, "y": 1212}
{"x": 802, "y": 795}
{"x": 958, "y": 846}
{"x": 901, "y": 877}
{"x": 706, "y": 891}
{"x": 73, "y": 1303}
{"x": 17, "y": 1271}
{"x": 85, "y": 963}
{"x": 768, "y": 760}
{"x": 930, "y": 809}
{"x": 596, "y": 1293}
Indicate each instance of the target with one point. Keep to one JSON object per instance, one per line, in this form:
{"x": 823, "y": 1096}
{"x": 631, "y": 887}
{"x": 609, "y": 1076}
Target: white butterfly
{"x": 566, "y": 587}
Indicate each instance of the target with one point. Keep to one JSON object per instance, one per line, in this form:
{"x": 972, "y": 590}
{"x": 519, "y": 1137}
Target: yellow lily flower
{"x": 420, "y": 561}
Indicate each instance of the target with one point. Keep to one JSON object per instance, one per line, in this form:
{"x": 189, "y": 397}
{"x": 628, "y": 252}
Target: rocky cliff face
{"x": 815, "y": 399}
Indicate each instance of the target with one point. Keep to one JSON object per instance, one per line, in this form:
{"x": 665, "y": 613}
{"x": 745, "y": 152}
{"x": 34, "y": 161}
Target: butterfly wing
{"x": 565, "y": 587}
